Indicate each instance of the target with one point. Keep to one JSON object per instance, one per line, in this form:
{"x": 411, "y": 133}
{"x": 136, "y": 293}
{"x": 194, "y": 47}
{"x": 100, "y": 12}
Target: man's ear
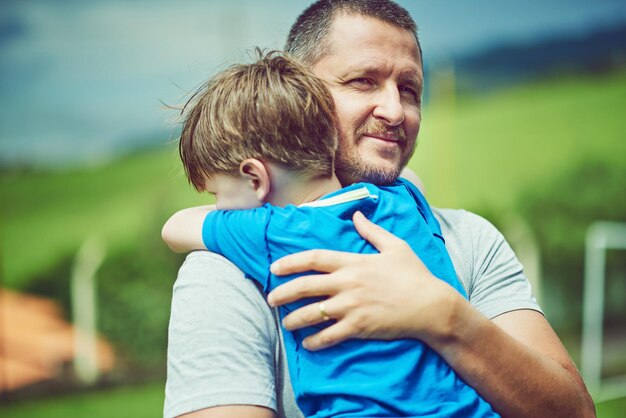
{"x": 256, "y": 173}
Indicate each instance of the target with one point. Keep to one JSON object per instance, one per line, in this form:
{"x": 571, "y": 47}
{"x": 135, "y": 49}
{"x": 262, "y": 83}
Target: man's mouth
{"x": 388, "y": 137}
{"x": 383, "y": 136}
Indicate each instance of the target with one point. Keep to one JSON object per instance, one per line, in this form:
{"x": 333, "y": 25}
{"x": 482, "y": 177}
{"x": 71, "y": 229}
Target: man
{"x": 225, "y": 357}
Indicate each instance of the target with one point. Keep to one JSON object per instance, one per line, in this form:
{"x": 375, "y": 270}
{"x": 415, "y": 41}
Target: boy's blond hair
{"x": 274, "y": 110}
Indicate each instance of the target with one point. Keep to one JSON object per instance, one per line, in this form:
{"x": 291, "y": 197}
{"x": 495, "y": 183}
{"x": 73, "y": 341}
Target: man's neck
{"x": 287, "y": 188}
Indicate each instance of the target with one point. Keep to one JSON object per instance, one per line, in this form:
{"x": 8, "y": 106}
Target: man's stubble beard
{"x": 351, "y": 168}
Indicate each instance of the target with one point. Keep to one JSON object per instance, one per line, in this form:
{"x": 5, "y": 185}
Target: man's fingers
{"x": 374, "y": 234}
{"x": 323, "y": 261}
{"x": 302, "y": 287}
{"x": 327, "y": 337}
{"x": 312, "y": 314}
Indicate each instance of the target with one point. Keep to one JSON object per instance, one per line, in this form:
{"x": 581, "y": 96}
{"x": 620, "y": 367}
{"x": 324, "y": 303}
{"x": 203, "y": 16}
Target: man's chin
{"x": 381, "y": 177}
{"x": 368, "y": 174}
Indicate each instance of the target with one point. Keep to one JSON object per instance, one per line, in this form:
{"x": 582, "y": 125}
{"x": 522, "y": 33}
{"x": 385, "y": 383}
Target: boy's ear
{"x": 257, "y": 175}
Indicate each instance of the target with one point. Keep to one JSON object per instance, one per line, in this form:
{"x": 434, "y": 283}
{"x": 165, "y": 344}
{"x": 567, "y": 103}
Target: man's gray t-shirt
{"x": 224, "y": 344}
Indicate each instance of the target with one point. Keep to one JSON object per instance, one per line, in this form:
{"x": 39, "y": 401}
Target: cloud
{"x": 71, "y": 68}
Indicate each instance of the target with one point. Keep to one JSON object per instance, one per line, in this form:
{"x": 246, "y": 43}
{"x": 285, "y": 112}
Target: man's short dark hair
{"x": 308, "y": 37}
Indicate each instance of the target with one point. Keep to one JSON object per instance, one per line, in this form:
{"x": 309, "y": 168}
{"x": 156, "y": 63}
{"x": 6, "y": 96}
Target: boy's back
{"x": 356, "y": 377}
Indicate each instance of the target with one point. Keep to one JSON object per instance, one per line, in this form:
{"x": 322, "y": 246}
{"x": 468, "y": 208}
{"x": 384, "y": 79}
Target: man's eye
{"x": 361, "y": 81}
{"x": 410, "y": 92}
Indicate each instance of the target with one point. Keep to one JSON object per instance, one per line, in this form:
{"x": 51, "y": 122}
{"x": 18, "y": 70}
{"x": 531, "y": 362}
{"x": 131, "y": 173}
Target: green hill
{"x": 482, "y": 151}
{"x": 476, "y": 152}
{"x": 47, "y": 216}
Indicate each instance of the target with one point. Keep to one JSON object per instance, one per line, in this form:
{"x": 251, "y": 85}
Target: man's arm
{"x": 232, "y": 411}
{"x": 515, "y": 361}
{"x": 183, "y": 231}
{"x": 222, "y": 343}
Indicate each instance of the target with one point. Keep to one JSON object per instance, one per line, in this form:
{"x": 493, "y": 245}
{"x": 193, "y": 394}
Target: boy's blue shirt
{"x": 357, "y": 377}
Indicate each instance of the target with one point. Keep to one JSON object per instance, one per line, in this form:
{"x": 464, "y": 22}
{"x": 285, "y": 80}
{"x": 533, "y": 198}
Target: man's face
{"x": 374, "y": 73}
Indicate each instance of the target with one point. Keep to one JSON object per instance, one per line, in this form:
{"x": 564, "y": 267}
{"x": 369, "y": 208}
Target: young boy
{"x": 262, "y": 137}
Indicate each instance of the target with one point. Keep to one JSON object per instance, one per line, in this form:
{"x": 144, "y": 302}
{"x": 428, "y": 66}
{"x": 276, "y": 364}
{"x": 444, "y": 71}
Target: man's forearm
{"x": 518, "y": 381}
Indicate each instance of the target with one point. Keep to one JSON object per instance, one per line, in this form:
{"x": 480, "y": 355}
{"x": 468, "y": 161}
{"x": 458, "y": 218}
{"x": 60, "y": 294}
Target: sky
{"x": 82, "y": 81}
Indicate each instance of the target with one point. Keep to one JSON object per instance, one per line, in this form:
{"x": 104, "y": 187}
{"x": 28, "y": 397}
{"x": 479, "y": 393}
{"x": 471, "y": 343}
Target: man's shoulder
{"x": 208, "y": 270}
{"x": 468, "y": 236}
{"x": 200, "y": 259}
{"x": 461, "y": 221}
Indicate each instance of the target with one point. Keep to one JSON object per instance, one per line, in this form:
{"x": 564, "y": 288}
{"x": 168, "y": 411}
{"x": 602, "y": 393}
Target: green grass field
{"x": 129, "y": 402}
{"x": 46, "y": 216}
{"x": 147, "y": 402}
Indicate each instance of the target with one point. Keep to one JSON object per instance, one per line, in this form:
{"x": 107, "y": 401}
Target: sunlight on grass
{"x": 486, "y": 149}
{"x": 48, "y": 216}
{"x": 137, "y": 402}
{"x": 147, "y": 402}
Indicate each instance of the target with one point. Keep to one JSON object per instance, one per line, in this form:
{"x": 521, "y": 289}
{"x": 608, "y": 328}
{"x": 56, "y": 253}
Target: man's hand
{"x": 515, "y": 361}
{"x": 388, "y": 295}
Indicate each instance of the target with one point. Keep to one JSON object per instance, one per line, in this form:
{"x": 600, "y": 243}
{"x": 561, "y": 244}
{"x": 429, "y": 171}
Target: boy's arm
{"x": 183, "y": 231}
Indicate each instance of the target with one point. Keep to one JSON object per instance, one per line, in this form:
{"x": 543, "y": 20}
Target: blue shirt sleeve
{"x": 240, "y": 236}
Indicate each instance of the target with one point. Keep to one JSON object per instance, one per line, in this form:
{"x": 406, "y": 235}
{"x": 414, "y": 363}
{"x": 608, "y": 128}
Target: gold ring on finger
{"x": 323, "y": 312}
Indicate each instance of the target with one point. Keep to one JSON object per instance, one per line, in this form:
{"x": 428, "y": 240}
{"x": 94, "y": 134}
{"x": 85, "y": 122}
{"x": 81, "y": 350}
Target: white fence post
{"x": 601, "y": 236}
{"x": 84, "y": 309}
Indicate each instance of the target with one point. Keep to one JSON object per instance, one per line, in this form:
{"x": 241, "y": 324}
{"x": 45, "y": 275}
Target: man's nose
{"x": 389, "y": 106}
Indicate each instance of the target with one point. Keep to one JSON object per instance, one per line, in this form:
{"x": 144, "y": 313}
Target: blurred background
{"x": 524, "y": 122}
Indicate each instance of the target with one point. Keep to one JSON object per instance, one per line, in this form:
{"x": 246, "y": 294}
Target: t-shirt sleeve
{"x": 222, "y": 340}
{"x": 498, "y": 283}
{"x": 240, "y": 236}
